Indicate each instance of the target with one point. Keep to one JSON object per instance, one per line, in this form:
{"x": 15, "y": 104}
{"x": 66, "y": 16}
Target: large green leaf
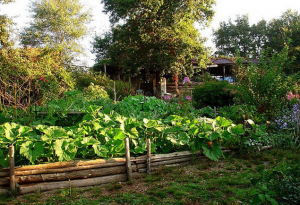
{"x": 65, "y": 149}
{"x": 213, "y": 153}
{"x": 237, "y": 130}
{"x": 32, "y": 150}
{"x": 222, "y": 122}
{"x": 100, "y": 150}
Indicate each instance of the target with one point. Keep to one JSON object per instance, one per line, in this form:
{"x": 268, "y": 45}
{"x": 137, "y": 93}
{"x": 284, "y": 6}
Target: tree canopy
{"x": 58, "y": 23}
{"x": 5, "y": 27}
{"x": 157, "y": 36}
{"x": 252, "y": 40}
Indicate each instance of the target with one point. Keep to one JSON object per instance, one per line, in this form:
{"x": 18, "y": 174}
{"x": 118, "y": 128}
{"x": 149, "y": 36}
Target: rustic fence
{"x": 81, "y": 173}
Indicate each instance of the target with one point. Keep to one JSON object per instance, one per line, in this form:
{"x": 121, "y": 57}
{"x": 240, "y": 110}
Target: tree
{"x": 252, "y": 40}
{"x": 286, "y": 30}
{"x": 5, "y": 27}
{"x": 157, "y": 36}
{"x": 240, "y": 37}
{"x": 59, "y": 23}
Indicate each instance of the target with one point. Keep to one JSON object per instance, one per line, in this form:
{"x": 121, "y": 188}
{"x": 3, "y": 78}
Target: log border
{"x": 79, "y": 173}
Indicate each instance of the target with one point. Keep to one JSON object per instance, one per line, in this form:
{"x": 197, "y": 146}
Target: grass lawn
{"x": 227, "y": 181}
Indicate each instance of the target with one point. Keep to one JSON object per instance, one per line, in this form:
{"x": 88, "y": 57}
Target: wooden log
{"x": 12, "y": 183}
{"x": 5, "y": 181}
{"x": 144, "y": 170}
{"x": 68, "y": 169}
{"x": 173, "y": 161}
{"x": 128, "y": 162}
{"x": 75, "y": 163}
{"x": 148, "y": 156}
{"x": 83, "y": 174}
{"x": 4, "y": 174}
{"x": 47, "y": 186}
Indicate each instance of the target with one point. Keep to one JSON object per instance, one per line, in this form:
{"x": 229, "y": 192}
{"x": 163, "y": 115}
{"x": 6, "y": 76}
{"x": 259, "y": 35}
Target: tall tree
{"x": 240, "y": 36}
{"x": 58, "y": 23}
{"x": 155, "y": 35}
{"x": 286, "y": 30}
{"x": 5, "y": 27}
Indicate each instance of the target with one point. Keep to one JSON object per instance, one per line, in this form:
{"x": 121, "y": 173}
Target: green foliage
{"x": 251, "y": 40}
{"x": 58, "y": 23}
{"x": 265, "y": 85}
{"x": 215, "y": 93}
{"x": 84, "y": 79}
{"x": 102, "y": 133}
{"x": 279, "y": 185}
{"x": 95, "y": 92}
{"x": 157, "y": 36}
{"x": 240, "y": 36}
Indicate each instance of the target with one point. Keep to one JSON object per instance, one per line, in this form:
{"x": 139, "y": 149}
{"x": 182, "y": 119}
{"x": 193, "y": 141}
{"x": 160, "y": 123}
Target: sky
{"x": 224, "y": 10}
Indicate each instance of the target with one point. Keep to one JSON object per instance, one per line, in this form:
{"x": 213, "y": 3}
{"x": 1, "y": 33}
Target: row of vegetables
{"x": 101, "y": 133}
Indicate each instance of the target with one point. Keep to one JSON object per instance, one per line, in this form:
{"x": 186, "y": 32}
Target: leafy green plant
{"x": 214, "y": 93}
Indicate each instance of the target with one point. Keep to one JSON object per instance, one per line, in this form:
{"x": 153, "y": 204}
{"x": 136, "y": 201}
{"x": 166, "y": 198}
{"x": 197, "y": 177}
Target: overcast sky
{"x": 224, "y": 10}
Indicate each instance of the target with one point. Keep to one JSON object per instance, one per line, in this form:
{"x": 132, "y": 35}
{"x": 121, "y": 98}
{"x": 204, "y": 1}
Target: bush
{"x": 215, "y": 93}
{"x": 84, "y": 79}
{"x": 265, "y": 85}
{"x": 94, "y": 92}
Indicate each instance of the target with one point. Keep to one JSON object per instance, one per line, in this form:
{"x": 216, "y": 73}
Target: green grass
{"x": 204, "y": 182}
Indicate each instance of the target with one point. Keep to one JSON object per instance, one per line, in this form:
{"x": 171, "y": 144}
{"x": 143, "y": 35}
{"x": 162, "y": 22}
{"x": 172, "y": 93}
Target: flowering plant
{"x": 188, "y": 97}
{"x": 186, "y": 80}
{"x": 288, "y": 118}
{"x": 167, "y": 97}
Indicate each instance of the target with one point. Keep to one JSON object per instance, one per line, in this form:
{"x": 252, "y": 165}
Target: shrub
{"x": 84, "y": 79}
{"x": 215, "y": 93}
{"x": 94, "y": 92}
{"x": 265, "y": 85}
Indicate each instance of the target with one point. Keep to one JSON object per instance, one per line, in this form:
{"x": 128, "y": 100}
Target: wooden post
{"x": 12, "y": 183}
{"x": 155, "y": 111}
{"x": 148, "y": 156}
{"x": 223, "y": 73}
{"x": 104, "y": 68}
{"x": 15, "y": 107}
{"x": 29, "y": 105}
{"x": 115, "y": 94}
{"x": 298, "y": 119}
{"x": 128, "y": 162}
{"x": 215, "y": 111}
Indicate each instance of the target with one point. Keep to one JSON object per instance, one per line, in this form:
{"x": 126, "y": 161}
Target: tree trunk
{"x": 158, "y": 84}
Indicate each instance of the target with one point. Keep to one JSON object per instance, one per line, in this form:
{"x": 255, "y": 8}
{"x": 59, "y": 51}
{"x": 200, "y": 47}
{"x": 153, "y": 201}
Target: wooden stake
{"x": 115, "y": 94}
{"x": 128, "y": 162}
{"x": 215, "y": 110}
{"x": 148, "y": 156}
{"x": 12, "y": 169}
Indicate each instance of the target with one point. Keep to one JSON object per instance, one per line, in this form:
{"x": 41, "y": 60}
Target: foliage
{"x": 265, "y": 85}
{"x": 94, "y": 92}
{"x": 281, "y": 184}
{"x": 215, "y": 93}
{"x": 240, "y": 36}
{"x": 157, "y": 36}
{"x": 84, "y": 79}
{"x": 288, "y": 25}
{"x": 102, "y": 134}
{"x": 57, "y": 23}
{"x": 252, "y": 40}
{"x": 30, "y": 76}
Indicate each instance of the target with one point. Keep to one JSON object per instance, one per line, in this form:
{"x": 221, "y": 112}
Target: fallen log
{"x": 75, "y": 163}
{"x": 47, "y": 186}
{"x": 67, "y": 169}
{"x": 82, "y": 174}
